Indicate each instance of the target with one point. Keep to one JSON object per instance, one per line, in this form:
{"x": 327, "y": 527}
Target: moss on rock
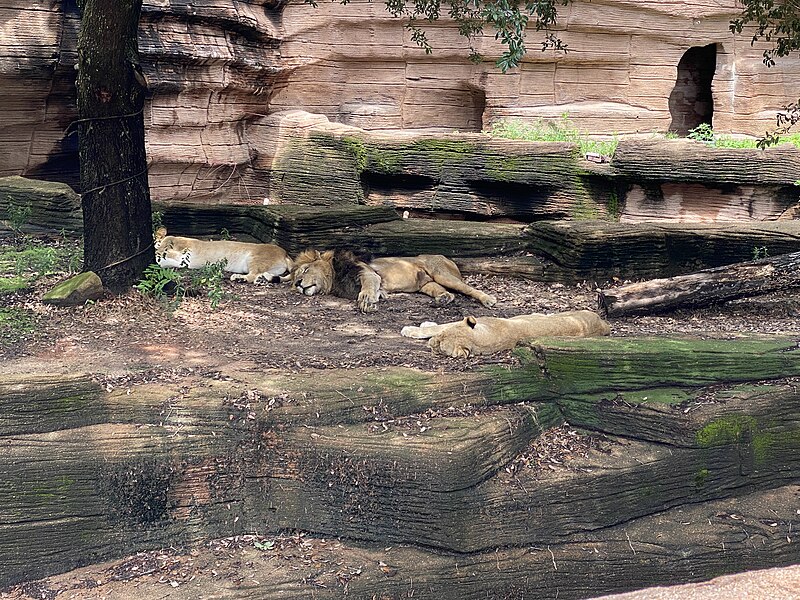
{"x": 75, "y": 290}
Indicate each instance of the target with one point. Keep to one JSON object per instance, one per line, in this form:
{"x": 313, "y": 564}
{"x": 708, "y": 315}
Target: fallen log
{"x": 703, "y": 288}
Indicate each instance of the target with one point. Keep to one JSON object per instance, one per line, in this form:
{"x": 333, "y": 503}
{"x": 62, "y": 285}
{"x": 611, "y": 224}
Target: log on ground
{"x": 703, "y": 288}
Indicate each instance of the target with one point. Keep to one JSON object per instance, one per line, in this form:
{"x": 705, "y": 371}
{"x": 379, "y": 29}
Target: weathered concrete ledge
{"x": 601, "y": 250}
{"x": 478, "y": 177}
{"x": 91, "y": 474}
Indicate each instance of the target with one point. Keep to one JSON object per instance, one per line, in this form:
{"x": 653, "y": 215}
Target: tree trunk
{"x": 702, "y": 288}
{"x": 115, "y": 193}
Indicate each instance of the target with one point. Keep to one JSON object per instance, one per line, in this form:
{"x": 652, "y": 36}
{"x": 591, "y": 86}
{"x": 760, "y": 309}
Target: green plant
{"x": 224, "y": 233}
{"x": 158, "y": 220}
{"x": 169, "y": 285}
{"x": 726, "y": 141}
{"x": 24, "y": 264}
{"x": 18, "y": 215}
{"x": 36, "y": 261}
{"x": 760, "y": 252}
{"x": 9, "y": 285}
{"x": 559, "y": 130}
{"x": 16, "y": 323}
{"x": 702, "y": 133}
{"x": 209, "y": 280}
{"x": 614, "y": 206}
{"x": 162, "y": 283}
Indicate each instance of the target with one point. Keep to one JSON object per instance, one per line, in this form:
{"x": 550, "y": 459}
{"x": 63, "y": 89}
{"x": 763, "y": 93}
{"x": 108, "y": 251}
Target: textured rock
{"x": 75, "y": 291}
{"x": 30, "y": 204}
{"x": 323, "y": 163}
{"x": 218, "y": 67}
{"x": 775, "y": 584}
{"x": 601, "y": 250}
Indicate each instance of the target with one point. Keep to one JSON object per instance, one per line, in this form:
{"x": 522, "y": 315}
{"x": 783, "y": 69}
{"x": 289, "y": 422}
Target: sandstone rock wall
{"x": 218, "y": 67}
{"x": 617, "y": 76}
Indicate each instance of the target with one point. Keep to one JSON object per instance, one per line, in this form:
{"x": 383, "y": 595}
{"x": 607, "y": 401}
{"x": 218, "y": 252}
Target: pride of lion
{"x": 344, "y": 274}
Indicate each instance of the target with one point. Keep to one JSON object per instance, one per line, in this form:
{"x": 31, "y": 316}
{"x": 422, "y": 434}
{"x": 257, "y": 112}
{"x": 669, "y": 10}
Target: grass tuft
{"x": 547, "y": 130}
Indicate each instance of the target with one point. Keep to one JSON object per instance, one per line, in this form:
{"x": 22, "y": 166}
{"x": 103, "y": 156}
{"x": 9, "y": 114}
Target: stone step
{"x": 600, "y": 250}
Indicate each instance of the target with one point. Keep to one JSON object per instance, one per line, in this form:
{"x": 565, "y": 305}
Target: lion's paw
{"x": 368, "y": 302}
{"x": 488, "y": 301}
{"x": 444, "y": 299}
{"x": 267, "y": 278}
{"x": 238, "y": 277}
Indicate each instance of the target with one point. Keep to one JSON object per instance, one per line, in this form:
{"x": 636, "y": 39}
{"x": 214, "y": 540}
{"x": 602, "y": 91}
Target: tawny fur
{"x": 247, "y": 262}
{"x": 486, "y": 335}
{"x": 342, "y": 274}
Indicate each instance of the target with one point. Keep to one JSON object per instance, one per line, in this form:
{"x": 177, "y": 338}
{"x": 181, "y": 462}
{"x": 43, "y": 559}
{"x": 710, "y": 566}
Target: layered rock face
{"x": 632, "y": 66}
{"x": 218, "y": 67}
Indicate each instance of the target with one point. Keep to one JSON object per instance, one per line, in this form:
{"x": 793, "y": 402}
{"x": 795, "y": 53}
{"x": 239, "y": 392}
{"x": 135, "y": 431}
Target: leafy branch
{"x": 509, "y": 19}
{"x": 778, "y": 23}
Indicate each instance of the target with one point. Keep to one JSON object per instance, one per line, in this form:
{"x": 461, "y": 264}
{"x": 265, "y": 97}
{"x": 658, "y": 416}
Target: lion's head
{"x": 458, "y": 340}
{"x": 313, "y": 272}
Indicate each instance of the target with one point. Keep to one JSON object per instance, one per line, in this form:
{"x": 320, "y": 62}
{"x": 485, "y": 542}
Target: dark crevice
{"x": 691, "y": 102}
{"x": 402, "y": 183}
{"x": 520, "y": 201}
{"x": 452, "y": 215}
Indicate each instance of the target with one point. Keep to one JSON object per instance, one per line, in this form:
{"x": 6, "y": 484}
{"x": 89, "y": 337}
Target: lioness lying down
{"x": 341, "y": 273}
{"x": 253, "y": 263}
{"x": 484, "y": 335}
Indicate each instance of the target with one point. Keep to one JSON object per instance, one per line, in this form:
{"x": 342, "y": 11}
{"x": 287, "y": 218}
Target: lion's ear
{"x": 327, "y": 255}
{"x": 161, "y": 233}
{"x": 306, "y": 256}
{"x": 471, "y": 321}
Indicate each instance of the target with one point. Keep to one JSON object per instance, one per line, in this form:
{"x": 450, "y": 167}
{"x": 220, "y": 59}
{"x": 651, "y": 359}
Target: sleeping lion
{"x": 485, "y": 335}
{"x": 253, "y": 263}
{"x": 341, "y": 273}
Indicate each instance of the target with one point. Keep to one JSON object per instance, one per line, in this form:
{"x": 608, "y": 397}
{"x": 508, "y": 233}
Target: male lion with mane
{"x": 253, "y": 263}
{"x": 341, "y": 273}
{"x": 486, "y": 335}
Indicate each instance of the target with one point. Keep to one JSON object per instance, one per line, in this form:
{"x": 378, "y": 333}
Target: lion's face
{"x": 313, "y": 272}
{"x": 456, "y": 341}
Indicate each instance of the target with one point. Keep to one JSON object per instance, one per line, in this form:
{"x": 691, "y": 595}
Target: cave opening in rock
{"x": 691, "y": 102}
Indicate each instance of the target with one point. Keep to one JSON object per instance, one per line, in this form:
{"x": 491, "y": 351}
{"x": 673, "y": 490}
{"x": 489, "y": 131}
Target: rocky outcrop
{"x": 217, "y": 67}
{"x": 342, "y": 453}
{"x": 30, "y": 205}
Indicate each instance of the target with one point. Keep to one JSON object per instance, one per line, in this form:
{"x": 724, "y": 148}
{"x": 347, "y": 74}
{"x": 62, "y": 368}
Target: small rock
{"x": 75, "y": 290}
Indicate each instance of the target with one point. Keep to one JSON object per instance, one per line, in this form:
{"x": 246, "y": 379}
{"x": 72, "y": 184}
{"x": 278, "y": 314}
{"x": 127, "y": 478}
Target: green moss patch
{"x": 9, "y": 285}
{"x": 727, "y": 430}
{"x": 16, "y": 323}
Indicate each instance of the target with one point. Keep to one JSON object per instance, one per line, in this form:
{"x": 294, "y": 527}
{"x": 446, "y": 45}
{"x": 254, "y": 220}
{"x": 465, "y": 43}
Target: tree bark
{"x": 702, "y": 288}
{"x": 115, "y": 193}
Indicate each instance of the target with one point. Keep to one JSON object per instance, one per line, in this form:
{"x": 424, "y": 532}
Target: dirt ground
{"x": 272, "y": 326}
